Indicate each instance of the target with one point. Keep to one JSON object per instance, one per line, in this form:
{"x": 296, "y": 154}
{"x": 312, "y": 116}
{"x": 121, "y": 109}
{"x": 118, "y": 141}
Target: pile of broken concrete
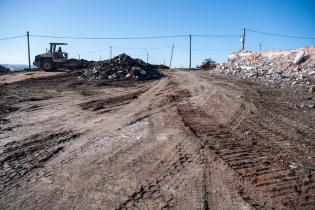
{"x": 296, "y": 67}
{"x": 121, "y": 67}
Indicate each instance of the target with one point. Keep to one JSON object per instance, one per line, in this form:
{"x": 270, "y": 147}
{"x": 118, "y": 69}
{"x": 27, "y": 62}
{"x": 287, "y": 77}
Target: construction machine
{"x": 52, "y": 59}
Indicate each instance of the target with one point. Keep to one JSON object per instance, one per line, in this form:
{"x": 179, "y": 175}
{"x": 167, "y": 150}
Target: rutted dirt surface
{"x": 186, "y": 141}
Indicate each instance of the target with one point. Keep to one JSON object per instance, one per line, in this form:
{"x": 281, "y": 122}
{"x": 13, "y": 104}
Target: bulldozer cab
{"x": 58, "y": 56}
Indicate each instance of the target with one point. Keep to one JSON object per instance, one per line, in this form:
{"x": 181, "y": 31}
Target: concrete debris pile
{"x": 4, "y": 69}
{"x": 295, "y": 66}
{"x": 121, "y": 67}
{"x": 74, "y": 64}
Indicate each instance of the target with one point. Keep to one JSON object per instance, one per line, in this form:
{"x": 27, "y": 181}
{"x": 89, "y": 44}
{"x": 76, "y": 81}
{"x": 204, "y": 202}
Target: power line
{"x": 124, "y": 48}
{"x": 94, "y": 51}
{"x": 279, "y": 35}
{"x": 213, "y": 36}
{"x": 141, "y": 48}
{"x": 117, "y": 38}
{"x": 12, "y": 37}
{"x": 204, "y": 49}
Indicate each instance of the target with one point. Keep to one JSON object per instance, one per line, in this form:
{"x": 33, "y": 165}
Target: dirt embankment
{"x": 187, "y": 141}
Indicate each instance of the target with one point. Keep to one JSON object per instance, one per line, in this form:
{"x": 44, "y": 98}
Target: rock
{"x": 231, "y": 56}
{"x": 299, "y": 56}
{"x": 7, "y": 129}
{"x": 311, "y": 89}
{"x": 311, "y": 72}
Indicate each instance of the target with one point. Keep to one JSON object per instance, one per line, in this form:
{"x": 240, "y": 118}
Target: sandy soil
{"x": 18, "y": 76}
{"x": 186, "y": 141}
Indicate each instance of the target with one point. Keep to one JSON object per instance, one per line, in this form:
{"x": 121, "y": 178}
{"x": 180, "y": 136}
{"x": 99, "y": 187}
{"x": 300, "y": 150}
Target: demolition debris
{"x": 296, "y": 66}
{"x": 121, "y": 67}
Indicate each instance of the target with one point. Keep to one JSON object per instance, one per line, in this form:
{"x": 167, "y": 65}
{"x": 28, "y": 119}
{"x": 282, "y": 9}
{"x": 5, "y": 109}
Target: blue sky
{"x": 130, "y": 18}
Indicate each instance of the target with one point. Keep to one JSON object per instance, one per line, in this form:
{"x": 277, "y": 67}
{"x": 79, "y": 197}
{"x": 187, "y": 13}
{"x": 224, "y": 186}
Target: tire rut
{"x": 20, "y": 158}
{"x": 265, "y": 179}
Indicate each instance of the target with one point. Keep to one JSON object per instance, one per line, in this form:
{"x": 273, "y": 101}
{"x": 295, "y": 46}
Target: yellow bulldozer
{"x": 57, "y": 59}
{"x": 52, "y": 59}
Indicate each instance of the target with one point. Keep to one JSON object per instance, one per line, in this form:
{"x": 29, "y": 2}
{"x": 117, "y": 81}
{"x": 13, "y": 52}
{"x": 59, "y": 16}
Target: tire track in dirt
{"x": 265, "y": 179}
{"x": 20, "y": 158}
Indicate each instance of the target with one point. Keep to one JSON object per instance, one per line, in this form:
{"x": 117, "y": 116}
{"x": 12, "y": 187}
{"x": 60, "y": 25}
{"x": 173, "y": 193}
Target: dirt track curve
{"x": 187, "y": 141}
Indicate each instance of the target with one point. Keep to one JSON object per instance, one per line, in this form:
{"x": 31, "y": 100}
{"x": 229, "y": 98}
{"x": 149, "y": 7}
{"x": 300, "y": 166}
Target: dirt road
{"x": 187, "y": 141}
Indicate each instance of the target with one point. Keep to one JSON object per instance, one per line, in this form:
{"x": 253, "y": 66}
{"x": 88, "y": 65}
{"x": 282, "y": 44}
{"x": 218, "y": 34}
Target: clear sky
{"x": 131, "y": 18}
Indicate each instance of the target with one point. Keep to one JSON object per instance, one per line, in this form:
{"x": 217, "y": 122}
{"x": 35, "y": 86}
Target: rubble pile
{"x": 296, "y": 66}
{"x": 73, "y": 63}
{"x": 121, "y": 67}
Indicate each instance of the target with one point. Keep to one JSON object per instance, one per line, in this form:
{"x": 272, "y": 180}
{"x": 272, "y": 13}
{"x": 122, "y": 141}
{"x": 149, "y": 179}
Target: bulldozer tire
{"x": 47, "y": 64}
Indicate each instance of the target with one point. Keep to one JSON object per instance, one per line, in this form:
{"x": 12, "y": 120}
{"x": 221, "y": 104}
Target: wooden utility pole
{"x": 110, "y": 52}
{"x": 171, "y": 56}
{"x": 147, "y": 57}
{"x": 243, "y": 38}
{"x": 100, "y": 57}
{"x": 79, "y": 57}
{"x": 260, "y": 46}
{"x": 28, "y": 47}
{"x": 190, "y": 51}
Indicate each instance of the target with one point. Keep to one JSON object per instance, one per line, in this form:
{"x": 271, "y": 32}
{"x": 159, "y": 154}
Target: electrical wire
{"x": 141, "y": 48}
{"x": 113, "y": 38}
{"x": 204, "y": 49}
{"x": 279, "y": 35}
{"x": 12, "y": 37}
{"x": 213, "y": 36}
{"x": 128, "y": 38}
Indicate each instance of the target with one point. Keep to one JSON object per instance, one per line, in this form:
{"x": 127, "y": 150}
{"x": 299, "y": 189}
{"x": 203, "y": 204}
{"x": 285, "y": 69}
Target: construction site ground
{"x": 189, "y": 140}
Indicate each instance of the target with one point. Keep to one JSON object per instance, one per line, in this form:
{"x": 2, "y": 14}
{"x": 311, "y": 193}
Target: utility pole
{"x": 100, "y": 57}
{"x": 189, "y": 51}
{"x": 28, "y": 47}
{"x": 243, "y": 39}
{"x": 147, "y": 57}
{"x": 110, "y": 52}
{"x": 79, "y": 57}
{"x": 260, "y": 46}
{"x": 171, "y": 56}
